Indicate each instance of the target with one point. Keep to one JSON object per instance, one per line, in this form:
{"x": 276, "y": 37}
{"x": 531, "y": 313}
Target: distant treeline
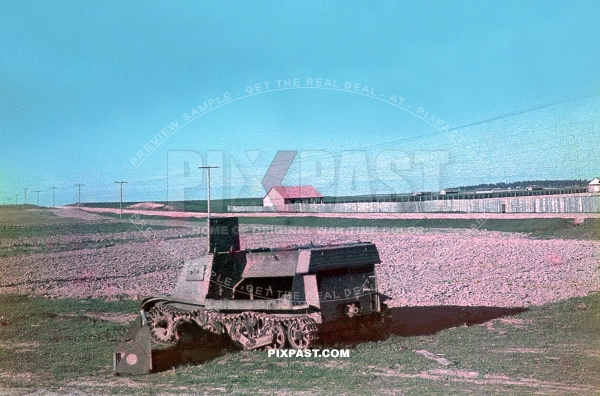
{"x": 525, "y": 183}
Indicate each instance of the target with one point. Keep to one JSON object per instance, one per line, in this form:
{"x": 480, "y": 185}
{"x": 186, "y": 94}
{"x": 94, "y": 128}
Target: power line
{"x": 569, "y": 98}
{"x": 38, "y": 197}
{"x": 590, "y": 93}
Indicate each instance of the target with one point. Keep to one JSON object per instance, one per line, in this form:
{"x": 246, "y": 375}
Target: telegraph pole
{"x": 121, "y": 201}
{"x": 52, "y": 188}
{"x": 38, "y": 197}
{"x": 78, "y": 194}
{"x": 208, "y": 168}
{"x": 25, "y": 195}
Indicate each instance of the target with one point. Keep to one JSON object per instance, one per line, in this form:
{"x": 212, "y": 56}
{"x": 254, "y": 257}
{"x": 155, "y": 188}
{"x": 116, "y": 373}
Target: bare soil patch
{"x": 68, "y": 211}
{"x": 150, "y": 206}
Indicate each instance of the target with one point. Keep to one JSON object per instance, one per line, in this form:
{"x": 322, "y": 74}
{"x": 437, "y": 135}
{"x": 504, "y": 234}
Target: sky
{"x": 352, "y": 97}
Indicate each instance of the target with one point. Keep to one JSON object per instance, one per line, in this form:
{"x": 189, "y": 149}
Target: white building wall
{"x": 267, "y": 201}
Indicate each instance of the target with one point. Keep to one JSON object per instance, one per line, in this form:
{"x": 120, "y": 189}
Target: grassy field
{"x": 536, "y": 228}
{"x": 23, "y": 215}
{"x": 216, "y": 205}
{"x": 42, "y": 223}
{"x": 66, "y": 228}
{"x": 542, "y": 228}
{"x": 66, "y": 346}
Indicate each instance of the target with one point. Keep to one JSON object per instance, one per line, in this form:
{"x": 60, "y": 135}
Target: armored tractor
{"x": 266, "y": 298}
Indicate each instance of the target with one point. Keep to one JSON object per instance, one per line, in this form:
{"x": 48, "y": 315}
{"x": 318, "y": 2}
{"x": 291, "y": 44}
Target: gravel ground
{"x": 419, "y": 266}
{"x": 473, "y": 267}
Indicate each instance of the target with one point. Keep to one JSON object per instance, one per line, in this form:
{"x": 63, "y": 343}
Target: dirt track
{"x": 419, "y": 267}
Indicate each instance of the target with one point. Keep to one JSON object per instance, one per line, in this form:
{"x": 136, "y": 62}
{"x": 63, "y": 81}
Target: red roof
{"x": 297, "y": 192}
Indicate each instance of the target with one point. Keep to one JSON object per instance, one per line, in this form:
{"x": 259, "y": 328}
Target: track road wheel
{"x": 240, "y": 334}
{"x": 162, "y": 327}
{"x": 278, "y": 336}
{"x": 213, "y": 326}
{"x": 181, "y": 331}
{"x": 299, "y": 335}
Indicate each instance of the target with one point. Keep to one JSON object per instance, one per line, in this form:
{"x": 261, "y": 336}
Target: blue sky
{"x": 88, "y": 88}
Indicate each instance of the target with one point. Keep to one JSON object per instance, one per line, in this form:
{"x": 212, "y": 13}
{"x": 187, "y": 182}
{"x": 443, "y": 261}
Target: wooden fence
{"x": 572, "y": 203}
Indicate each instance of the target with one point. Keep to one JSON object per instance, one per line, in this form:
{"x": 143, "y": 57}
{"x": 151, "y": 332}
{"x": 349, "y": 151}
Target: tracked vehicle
{"x": 266, "y": 298}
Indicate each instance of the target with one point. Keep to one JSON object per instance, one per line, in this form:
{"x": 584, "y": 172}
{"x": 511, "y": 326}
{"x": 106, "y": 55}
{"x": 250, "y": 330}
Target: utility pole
{"x": 121, "y": 201}
{"x": 25, "y": 196}
{"x": 78, "y": 194}
{"x": 52, "y": 188}
{"x": 208, "y": 168}
{"x": 38, "y": 197}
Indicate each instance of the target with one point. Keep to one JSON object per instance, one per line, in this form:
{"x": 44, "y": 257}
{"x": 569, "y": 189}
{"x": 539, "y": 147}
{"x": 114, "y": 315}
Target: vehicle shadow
{"x": 402, "y": 321}
{"x": 164, "y": 359}
{"x": 196, "y": 346}
{"x": 409, "y": 321}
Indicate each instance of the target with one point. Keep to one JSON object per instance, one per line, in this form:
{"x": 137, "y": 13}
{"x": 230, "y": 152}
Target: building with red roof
{"x": 283, "y": 195}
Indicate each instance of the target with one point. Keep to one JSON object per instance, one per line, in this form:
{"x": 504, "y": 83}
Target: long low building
{"x": 558, "y": 203}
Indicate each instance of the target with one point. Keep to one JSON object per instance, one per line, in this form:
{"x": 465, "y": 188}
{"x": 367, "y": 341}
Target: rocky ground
{"x": 473, "y": 267}
{"x": 419, "y": 266}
